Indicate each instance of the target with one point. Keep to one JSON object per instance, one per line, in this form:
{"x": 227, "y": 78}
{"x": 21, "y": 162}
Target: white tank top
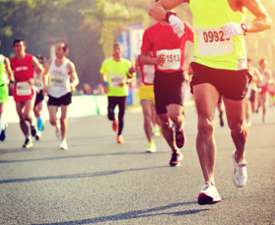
{"x": 59, "y": 79}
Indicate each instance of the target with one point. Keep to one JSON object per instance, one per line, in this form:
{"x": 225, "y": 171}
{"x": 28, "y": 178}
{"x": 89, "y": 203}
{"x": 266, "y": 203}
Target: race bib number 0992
{"x": 212, "y": 42}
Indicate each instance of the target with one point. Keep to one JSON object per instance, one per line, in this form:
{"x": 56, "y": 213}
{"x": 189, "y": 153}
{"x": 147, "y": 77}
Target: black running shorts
{"x": 168, "y": 90}
{"x": 62, "y": 101}
{"x": 39, "y": 97}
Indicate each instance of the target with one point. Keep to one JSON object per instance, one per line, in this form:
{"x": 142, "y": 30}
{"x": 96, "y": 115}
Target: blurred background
{"x": 91, "y": 26}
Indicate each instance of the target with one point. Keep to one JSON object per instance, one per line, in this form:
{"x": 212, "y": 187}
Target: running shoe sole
{"x": 180, "y": 139}
{"x": 204, "y": 199}
{"x": 175, "y": 163}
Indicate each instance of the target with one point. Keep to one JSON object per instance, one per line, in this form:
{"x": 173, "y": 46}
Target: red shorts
{"x": 264, "y": 89}
{"x": 22, "y": 93}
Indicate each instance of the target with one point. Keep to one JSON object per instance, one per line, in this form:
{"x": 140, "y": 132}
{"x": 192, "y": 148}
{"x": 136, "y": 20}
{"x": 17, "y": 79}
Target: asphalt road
{"x": 100, "y": 182}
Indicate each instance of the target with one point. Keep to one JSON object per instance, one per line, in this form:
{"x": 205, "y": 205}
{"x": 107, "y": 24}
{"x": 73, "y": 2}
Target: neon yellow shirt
{"x": 210, "y": 47}
{"x": 116, "y": 72}
{"x": 3, "y": 75}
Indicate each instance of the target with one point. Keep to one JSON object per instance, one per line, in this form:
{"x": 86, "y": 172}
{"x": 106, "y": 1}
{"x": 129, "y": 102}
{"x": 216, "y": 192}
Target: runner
{"x": 23, "y": 66}
{"x": 117, "y": 73}
{"x": 147, "y": 101}
{"x": 250, "y": 100}
{"x": 38, "y": 105}
{"x": 220, "y": 68}
{"x": 62, "y": 80}
{"x": 264, "y": 87}
{"x": 168, "y": 58}
{"x": 5, "y": 69}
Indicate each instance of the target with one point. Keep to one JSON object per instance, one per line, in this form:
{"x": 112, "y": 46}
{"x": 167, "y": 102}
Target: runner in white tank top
{"x": 62, "y": 80}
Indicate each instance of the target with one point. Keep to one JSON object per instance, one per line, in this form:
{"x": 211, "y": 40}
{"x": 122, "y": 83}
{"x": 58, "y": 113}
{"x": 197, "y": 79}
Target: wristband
{"x": 168, "y": 14}
{"x": 244, "y": 28}
{"x": 105, "y": 84}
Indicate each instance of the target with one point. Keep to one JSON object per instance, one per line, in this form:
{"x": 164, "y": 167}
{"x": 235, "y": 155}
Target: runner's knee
{"x": 205, "y": 127}
{"x": 53, "y": 121}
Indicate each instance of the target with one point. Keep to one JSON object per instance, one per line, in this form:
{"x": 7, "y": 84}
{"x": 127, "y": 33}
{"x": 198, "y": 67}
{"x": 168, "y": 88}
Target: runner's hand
{"x": 73, "y": 88}
{"x": 157, "y": 11}
{"x": 232, "y": 29}
{"x": 177, "y": 25}
{"x": 160, "y": 60}
{"x": 45, "y": 91}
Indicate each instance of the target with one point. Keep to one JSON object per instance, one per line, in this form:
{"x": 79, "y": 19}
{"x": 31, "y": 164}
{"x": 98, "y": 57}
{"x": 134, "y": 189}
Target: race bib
{"x": 117, "y": 81}
{"x": 211, "y": 42}
{"x": 149, "y": 74}
{"x": 38, "y": 83}
{"x": 23, "y": 89}
{"x": 172, "y": 59}
{"x": 57, "y": 81}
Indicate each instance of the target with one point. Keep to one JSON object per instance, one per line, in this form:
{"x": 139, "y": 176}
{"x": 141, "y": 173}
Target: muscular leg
{"x": 63, "y": 122}
{"x": 147, "y": 108}
{"x": 28, "y": 111}
{"x": 167, "y": 131}
{"x": 52, "y": 114}
{"x": 121, "y": 113}
{"x": 206, "y": 99}
{"x": 111, "y": 108}
{"x": 175, "y": 113}
{"x": 235, "y": 118}
{"x": 23, "y": 123}
{"x": 38, "y": 109}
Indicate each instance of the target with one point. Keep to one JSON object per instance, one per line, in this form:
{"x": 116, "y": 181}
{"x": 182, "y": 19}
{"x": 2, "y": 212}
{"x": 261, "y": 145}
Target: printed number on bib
{"x": 148, "y": 74}
{"x": 172, "y": 59}
{"x": 117, "y": 81}
{"x": 38, "y": 83}
{"x": 211, "y": 42}
{"x": 23, "y": 89}
{"x": 57, "y": 81}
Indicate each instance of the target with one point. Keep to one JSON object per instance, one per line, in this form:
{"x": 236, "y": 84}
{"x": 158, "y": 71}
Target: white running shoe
{"x": 209, "y": 194}
{"x": 63, "y": 145}
{"x": 240, "y": 173}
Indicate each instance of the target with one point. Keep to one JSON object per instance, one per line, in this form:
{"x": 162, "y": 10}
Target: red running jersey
{"x": 23, "y": 69}
{"x": 23, "y": 72}
{"x": 160, "y": 39}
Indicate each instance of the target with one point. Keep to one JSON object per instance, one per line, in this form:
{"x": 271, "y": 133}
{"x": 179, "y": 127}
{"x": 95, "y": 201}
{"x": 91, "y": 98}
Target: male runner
{"x": 168, "y": 58}
{"x": 264, "y": 87}
{"x": 220, "y": 68}
{"x": 62, "y": 81}
{"x": 38, "y": 105}
{"x": 5, "y": 70}
{"x": 250, "y": 100}
{"x": 117, "y": 72}
{"x": 147, "y": 101}
{"x": 23, "y": 66}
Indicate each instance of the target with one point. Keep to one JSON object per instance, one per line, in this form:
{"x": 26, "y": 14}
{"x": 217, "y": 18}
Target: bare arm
{"x": 37, "y": 66}
{"x": 171, "y": 4}
{"x": 262, "y": 20}
{"x": 73, "y": 75}
{"x": 8, "y": 69}
{"x": 159, "y": 9}
{"x": 45, "y": 75}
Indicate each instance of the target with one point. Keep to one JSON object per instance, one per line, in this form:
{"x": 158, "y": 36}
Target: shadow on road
{"x": 75, "y": 176}
{"x": 157, "y": 211}
{"x": 75, "y": 157}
